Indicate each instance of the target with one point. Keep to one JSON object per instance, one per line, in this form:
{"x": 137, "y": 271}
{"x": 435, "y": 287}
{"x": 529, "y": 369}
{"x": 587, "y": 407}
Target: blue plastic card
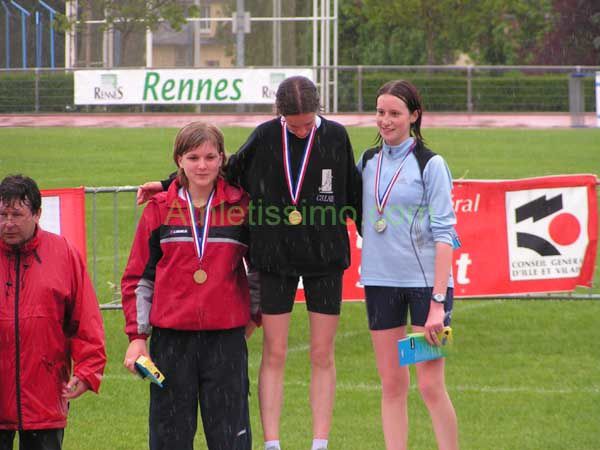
{"x": 414, "y": 347}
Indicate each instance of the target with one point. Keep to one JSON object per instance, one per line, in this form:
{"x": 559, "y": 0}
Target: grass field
{"x": 522, "y": 374}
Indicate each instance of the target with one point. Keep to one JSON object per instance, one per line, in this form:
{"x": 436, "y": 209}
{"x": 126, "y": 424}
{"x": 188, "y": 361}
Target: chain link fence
{"x": 466, "y": 89}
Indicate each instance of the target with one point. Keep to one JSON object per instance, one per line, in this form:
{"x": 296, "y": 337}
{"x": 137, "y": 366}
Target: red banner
{"x": 63, "y": 212}
{"x": 525, "y": 236}
{"x": 519, "y": 236}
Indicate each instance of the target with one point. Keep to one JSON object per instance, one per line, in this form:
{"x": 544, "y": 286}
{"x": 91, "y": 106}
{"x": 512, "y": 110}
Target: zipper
{"x": 17, "y": 341}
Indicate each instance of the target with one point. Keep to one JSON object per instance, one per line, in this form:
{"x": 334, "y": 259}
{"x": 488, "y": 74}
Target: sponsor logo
{"x": 275, "y": 80}
{"x": 547, "y": 234}
{"x": 109, "y": 88}
{"x": 326, "y": 181}
{"x": 326, "y": 189}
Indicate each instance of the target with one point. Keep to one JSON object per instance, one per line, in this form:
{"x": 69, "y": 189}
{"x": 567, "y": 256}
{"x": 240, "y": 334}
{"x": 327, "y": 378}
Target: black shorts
{"x": 387, "y": 307}
{"x": 323, "y": 293}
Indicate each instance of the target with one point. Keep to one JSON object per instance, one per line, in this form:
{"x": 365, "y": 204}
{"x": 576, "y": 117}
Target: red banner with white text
{"x": 533, "y": 235}
{"x": 63, "y": 212}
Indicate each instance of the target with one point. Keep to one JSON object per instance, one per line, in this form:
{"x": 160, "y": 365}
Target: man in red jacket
{"x": 51, "y": 334}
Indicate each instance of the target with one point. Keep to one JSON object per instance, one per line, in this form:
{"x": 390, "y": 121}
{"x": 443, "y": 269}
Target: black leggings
{"x": 206, "y": 367}
{"x": 32, "y": 439}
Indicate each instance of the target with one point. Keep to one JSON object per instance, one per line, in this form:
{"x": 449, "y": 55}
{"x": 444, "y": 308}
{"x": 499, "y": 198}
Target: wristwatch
{"x": 438, "y": 298}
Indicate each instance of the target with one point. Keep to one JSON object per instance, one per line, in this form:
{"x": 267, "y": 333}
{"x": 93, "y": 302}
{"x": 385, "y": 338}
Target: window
{"x": 205, "y": 14}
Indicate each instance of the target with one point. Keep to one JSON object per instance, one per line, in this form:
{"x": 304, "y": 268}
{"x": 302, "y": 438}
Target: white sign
{"x": 188, "y": 86}
{"x": 50, "y": 219}
{"x": 598, "y": 99}
{"x": 547, "y": 232}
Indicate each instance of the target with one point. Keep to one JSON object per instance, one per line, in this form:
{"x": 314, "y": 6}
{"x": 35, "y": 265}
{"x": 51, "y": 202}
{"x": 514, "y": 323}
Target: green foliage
{"x": 411, "y": 32}
{"x": 131, "y": 15}
{"x": 490, "y": 92}
{"x": 17, "y": 92}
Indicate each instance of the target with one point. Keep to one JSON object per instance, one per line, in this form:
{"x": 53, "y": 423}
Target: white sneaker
{"x": 273, "y": 448}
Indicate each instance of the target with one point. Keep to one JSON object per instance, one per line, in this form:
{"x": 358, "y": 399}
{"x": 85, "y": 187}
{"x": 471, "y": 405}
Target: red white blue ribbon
{"x": 295, "y": 190}
{"x": 381, "y": 201}
{"x": 200, "y": 233}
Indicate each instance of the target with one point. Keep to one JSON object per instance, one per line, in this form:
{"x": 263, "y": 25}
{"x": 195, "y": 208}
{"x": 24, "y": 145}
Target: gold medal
{"x": 295, "y": 218}
{"x": 200, "y": 276}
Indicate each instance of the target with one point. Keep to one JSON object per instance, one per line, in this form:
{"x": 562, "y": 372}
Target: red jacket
{"x": 158, "y": 288}
{"x": 45, "y": 286}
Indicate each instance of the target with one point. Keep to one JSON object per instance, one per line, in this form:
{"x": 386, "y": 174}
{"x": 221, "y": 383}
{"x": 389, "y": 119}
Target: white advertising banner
{"x": 185, "y": 86}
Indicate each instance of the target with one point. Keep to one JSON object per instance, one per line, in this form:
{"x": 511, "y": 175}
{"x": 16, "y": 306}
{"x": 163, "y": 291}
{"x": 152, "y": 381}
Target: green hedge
{"x": 441, "y": 91}
{"x": 17, "y": 92}
{"x": 448, "y": 92}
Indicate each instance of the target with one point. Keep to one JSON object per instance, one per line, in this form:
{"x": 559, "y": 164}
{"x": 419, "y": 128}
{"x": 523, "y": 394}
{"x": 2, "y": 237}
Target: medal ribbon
{"x": 381, "y": 201}
{"x": 295, "y": 191}
{"x": 200, "y": 235}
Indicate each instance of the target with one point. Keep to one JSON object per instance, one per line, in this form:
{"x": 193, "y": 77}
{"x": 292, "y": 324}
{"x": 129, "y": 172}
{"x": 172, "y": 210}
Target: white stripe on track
{"x": 354, "y": 387}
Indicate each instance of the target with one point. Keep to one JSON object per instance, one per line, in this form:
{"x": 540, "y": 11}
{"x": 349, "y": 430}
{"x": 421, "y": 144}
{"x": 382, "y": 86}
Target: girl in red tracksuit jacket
{"x": 185, "y": 286}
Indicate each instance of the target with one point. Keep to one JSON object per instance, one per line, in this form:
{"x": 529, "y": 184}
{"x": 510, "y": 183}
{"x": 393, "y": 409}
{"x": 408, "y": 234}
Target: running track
{"x": 152, "y": 120}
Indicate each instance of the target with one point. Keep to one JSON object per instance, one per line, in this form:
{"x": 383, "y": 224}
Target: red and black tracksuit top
{"x": 50, "y": 326}
{"x": 158, "y": 288}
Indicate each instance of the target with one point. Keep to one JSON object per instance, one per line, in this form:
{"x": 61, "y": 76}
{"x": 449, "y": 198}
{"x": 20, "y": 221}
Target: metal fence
{"x": 120, "y": 215}
{"x": 470, "y": 89}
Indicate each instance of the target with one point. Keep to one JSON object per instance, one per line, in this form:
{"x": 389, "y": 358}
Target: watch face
{"x": 439, "y": 298}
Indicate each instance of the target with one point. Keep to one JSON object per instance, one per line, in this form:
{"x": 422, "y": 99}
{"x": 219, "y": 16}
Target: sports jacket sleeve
{"x": 167, "y": 182}
{"x": 137, "y": 284}
{"x": 238, "y": 163}
{"x": 354, "y": 187}
{"x": 438, "y": 185}
{"x": 84, "y": 327}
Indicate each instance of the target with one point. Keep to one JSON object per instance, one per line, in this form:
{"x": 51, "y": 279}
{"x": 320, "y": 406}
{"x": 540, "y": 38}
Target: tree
{"x": 575, "y": 34}
{"x": 128, "y": 17}
{"x": 505, "y": 31}
{"x": 437, "y": 31}
{"x": 400, "y": 32}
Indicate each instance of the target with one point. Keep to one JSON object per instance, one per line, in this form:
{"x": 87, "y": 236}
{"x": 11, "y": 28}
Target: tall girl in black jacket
{"x": 300, "y": 173}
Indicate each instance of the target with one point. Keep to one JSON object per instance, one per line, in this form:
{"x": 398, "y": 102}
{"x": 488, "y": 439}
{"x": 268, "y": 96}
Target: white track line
{"x": 355, "y": 387}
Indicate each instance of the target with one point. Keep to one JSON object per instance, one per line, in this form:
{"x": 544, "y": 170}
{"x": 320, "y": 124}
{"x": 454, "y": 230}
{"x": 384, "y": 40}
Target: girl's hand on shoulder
{"x": 147, "y": 190}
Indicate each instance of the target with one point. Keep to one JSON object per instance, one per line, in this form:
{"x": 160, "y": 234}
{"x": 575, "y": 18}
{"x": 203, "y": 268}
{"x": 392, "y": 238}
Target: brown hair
{"x": 297, "y": 95}
{"x": 20, "y": 188}
{"x": 409, "y": 94}
{"x": 193, "y": 135}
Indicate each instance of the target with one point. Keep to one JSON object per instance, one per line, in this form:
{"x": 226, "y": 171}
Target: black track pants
{"x": 205, "y": 367}
{"x": 33, "y": 439}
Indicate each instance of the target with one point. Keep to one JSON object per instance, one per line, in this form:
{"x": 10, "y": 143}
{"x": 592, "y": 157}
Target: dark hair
{"x": 409, "y": 94}
{"x": 297, "y": 95}
{"x": 193, "y": 135}
{"x": 19, "y": 188}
